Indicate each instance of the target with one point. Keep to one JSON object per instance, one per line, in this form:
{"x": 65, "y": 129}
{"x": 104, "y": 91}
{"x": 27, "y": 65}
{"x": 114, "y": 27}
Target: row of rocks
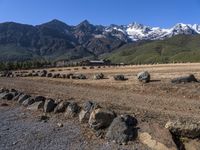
{"x": 120, "y": 129}
{"x": 117, "y": 128}
{"x": 142, "y": 76}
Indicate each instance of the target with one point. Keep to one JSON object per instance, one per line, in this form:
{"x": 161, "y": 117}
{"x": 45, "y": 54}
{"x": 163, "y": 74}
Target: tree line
{"x": 24, "y": 65}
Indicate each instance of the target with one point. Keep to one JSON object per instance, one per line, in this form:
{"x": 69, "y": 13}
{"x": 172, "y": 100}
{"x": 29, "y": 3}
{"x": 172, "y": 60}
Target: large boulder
{"x": 88, "y": 106}
{"x": 122, "y": 129}
{"x": 61, "y": 107}
{"x": 49, "y": 105}
{"x": 101, "y": 118}
{"x": 22, "y": 98}
{"x": 186, "y": 79}
{"x": 156, "y": 136}
{"x": 99, "y": 76}
{"x": 119, "y": 77}
{"x": 144, "y": 76}
{"x": 28, "y": 101}
{"x": 72, "y": 110}
{"x": 36, "y": 106}
{"x": 184, "y": 129}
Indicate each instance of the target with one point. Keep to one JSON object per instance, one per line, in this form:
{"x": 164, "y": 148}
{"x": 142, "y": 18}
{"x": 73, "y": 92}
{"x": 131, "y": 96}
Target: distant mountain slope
{"x": 56, "y": 40}
{"x": 181, "y": 48}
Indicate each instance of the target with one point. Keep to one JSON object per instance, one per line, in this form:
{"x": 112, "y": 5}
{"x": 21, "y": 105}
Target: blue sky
{"x": 163, "y": 13}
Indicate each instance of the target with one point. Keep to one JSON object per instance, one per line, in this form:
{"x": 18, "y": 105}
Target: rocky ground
{"x": 22, "y": 130}
{"x": 153, "y": 104}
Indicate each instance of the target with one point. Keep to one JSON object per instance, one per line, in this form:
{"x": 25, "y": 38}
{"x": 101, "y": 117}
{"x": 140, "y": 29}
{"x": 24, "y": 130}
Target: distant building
{"x": 95, "y": 62}
{"x": 62, "y": 63}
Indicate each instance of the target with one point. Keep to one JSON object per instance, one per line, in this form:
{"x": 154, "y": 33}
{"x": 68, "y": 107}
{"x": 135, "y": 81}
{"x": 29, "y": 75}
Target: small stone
{"x": 60, "y": 124}
{"x": 119, "y": 77}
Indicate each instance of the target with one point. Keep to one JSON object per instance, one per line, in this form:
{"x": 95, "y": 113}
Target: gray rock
{"x": 88, "y": 106}
{"x": 49, "y": 75}
{"x": 17, "y": 96}
{"x": 79, "y": 76}
{"x": 61, "y": 107}
{"x": 122, "y": 129}
{"x": 184, "y": 129}
{"x": 35, "y": 74}
{"x": 3, "y": 94}
{"x": 13, "y": 90}
{"x": 84, "y": 116}
{"x": 2, "y": 90}
{"x": 119, "y": 77}
{"x": 144, "y": 77}
{"x": 30, "y": 74}
{"x": 99, "y": 76}
{"x": 186, "y": 79}
{"x": 22, "y": 98}
{"x": 72, "y": 110}
{"x": 40, "y": 98}
{"x": 8, "y": 96}
{"x": 49, "y": 105}
{"x": 63, "y": 76}
{"x": 43, "y": 73}
{"x": 56, "y": 75}
{"x": 28, "y": 101}
{"x": 36, "y": 106}
{"x": 101, "y": 118}
{"x": 69, "y": 76}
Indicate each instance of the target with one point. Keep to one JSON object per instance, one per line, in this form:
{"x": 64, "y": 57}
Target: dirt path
{"x": 149, "y": 107}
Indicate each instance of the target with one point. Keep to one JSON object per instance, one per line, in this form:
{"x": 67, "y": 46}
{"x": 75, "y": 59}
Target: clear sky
{"x": 163, "y": 13}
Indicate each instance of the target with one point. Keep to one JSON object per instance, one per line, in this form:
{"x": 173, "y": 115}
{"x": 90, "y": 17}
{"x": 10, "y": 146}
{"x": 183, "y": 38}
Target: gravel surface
{"x": 22, "y": 130}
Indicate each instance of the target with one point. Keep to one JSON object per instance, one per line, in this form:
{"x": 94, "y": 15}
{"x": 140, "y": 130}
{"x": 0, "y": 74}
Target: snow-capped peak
{"x": 136, "y": 31}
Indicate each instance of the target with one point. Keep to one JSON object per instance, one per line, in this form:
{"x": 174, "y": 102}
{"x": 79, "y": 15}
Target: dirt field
{"x": 157, "y": 101}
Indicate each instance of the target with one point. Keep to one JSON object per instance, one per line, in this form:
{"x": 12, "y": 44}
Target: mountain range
{"x": 55, "y": 40}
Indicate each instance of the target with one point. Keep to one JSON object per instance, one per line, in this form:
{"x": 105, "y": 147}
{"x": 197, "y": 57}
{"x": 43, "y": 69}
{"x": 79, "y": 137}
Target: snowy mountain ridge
{"x": 136, "y": 32}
